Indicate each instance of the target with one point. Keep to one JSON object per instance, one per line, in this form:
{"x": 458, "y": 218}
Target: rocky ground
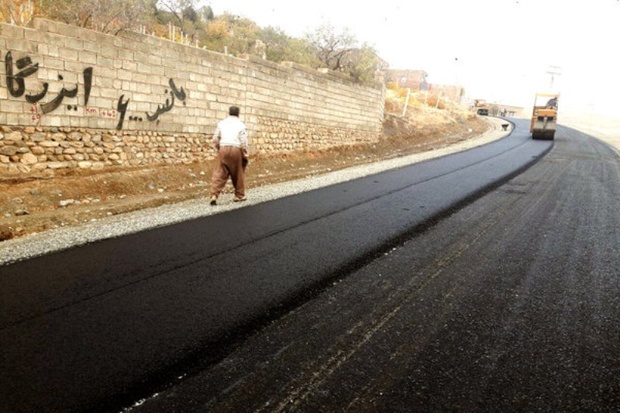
{"x": 29, "y": 206}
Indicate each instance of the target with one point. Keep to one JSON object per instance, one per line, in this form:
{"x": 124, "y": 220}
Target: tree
{"x": 362, "y": 64}
{"x": 324, "y": 48}
{"x": 207, "y": 13}
{"x": 110, "y": 16}
{"x": 184, "y": 14}
{"x": 190, "y": 14}
{"x": 243, "y": 33}
{"x": 280, "y": 47}
{"x": 276, "y": 43}
{"x": 216, "y": 35}
{"x": 302, "y": 52}
{"x": 332, "y": 48}
{"x": 340, "y": 52}
{"x": 18, "y": 12}
{"x": 181, "y": 10}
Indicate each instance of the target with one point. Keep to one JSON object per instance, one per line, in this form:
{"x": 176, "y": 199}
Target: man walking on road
{"x": 231, "y": 142}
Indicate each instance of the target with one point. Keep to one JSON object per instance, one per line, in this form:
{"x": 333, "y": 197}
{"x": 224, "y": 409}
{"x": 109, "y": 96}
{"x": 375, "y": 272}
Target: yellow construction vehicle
{"x": 544, "y": 116}
{"x": 481, "y": 107}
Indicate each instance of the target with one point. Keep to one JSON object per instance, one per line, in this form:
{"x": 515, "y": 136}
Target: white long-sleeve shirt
{"x": 231, "y": 132}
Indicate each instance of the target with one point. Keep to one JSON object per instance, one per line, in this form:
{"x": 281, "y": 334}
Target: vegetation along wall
{"x": 74, "y": 98}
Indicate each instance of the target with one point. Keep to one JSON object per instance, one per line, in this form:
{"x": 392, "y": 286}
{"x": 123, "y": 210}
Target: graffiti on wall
{"x": 17, "y": 72}
{"x": 179, "y": 94}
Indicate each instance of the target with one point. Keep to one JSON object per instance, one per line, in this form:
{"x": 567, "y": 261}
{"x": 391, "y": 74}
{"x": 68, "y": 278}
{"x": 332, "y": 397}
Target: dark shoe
{"x": 213, "y": 200}
{"x": 239, "y": 199}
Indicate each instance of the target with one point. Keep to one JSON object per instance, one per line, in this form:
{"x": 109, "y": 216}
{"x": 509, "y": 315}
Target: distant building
{"x": 413, "y": 79}
{"x": 448, "y": 92}
{"x": 416, "y": 80}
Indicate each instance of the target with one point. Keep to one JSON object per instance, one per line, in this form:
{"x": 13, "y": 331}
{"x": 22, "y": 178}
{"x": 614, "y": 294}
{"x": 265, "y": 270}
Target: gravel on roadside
{"x": 58, "y": 239}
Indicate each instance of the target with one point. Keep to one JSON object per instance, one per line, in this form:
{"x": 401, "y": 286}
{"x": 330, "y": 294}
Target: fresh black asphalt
{"x": 90, "y": 327}
{"x": 510, "y": 304}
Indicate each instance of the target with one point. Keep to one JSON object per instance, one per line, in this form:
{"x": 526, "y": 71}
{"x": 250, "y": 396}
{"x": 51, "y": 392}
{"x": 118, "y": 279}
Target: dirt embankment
{"x": 29, "y": 206}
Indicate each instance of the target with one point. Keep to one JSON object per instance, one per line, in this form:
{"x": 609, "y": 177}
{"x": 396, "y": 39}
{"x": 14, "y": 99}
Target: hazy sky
{"x": 497, "y": 49}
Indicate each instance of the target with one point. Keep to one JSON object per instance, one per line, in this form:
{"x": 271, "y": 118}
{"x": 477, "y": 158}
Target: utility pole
{"x": 553, "y": 71}
{"x": 406, "y": 102}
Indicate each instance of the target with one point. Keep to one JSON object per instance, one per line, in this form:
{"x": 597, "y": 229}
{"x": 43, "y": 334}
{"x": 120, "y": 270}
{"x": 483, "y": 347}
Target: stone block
{"x": 49, "y": 144}
{"x": 74, "y": 43}
{"x": 138, "y": 77}
{"x": 57, "y": 165}
{"x": 51, "y": 26}
{"x": 125, "y": 54}
{"x": 8, "y": 150}
{"x": 36, "y": 36}
{"x": 87, "y": 57}
{"x": 105, "y": 62}
{"x": 66, "y": 53}
{"x": 91, "y": 37}
{"x": 11, "y": 31}
{"x": 145, "y": 68}
{"x": 29, "y": 159}
{"x": 20, "y": 46}
{"x": 52, "y": 63}
{"x": 107, "y": 51}
{"x": 125, "y": 75}
{"x": 12, "y": 137}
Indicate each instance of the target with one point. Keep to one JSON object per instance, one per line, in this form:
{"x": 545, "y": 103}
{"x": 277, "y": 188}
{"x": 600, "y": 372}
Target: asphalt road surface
{"x": 396, "y": 292}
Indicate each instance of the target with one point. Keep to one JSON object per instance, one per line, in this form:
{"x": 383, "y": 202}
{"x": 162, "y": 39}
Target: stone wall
{"x": 74, "y": 98}
{"x": 37, "y": 150}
